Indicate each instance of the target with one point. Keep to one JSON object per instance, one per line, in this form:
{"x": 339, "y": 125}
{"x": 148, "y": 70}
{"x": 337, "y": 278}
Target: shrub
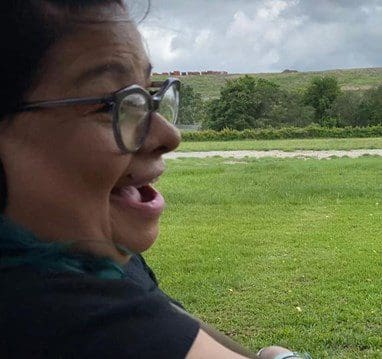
{"x": 313, "y": 131}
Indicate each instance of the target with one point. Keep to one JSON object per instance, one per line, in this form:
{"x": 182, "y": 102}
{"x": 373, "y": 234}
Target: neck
{"x": 53, "y": 229}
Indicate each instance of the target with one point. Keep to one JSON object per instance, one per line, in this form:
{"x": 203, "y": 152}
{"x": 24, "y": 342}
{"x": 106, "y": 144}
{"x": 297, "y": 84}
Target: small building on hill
{"x": 287, "y": 71}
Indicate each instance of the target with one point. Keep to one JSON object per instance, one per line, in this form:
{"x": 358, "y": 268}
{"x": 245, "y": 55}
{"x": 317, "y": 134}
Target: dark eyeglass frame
{"x": 154, "y": 96}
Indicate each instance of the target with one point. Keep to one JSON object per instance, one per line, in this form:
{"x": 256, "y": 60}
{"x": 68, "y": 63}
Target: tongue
{"x": 132, "y": 192}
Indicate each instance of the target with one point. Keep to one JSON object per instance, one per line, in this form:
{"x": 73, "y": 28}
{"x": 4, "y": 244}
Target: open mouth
{"x": 147, "y": 193}
{"x": 141, "y": 194}
{"x": 143, "y": 199}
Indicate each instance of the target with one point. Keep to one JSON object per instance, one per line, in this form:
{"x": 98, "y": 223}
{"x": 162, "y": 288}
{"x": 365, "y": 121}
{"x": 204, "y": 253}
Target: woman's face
{"x": 63, "y": 163}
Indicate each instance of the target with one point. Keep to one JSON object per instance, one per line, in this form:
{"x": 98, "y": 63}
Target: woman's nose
{"x": 162, "y": 137}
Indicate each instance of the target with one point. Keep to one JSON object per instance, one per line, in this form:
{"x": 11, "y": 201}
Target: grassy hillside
{"x": 354, "y": 79}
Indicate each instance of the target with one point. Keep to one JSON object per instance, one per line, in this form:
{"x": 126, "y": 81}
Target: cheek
{"x": 91, "y": 150}
{"x": 80, "y": 150}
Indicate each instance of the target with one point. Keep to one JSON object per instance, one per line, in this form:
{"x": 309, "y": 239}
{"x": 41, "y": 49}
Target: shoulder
{"x": 80, "y": 314}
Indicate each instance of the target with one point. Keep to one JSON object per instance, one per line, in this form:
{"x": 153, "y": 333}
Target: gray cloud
{"x": 264, "y": 35}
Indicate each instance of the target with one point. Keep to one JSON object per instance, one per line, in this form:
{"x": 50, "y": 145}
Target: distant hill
{"x": 353, "y": 79}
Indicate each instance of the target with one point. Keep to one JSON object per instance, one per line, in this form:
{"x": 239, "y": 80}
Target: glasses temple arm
{"x": 67, "y": 102}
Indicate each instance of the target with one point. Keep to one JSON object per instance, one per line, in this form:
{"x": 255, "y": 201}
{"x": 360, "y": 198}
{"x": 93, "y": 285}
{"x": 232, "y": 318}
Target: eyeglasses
{"x": 131, "y": 108}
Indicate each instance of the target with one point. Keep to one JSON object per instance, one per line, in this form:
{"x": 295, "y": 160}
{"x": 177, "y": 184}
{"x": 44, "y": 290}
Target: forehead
{"x": 110, "y": 52}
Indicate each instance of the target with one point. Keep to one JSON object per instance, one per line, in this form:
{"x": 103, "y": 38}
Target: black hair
{"x": 26, "y": 34}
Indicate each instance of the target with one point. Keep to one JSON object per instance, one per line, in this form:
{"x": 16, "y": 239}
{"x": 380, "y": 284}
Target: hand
{"x": 271, "y": 352}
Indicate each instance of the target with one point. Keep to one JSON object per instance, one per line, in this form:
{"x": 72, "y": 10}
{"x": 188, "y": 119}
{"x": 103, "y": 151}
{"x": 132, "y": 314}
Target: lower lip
{"x": 151, "y": 209}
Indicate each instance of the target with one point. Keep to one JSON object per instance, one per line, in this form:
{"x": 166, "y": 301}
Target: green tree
{"x": 370, "y": 109}
{"x": 321, "y": 94}
{"x": 244, "y": 103}
{"x": 291, "y": 110}
{"x": 346, "y": 108}
{"x": 191, "y": 106}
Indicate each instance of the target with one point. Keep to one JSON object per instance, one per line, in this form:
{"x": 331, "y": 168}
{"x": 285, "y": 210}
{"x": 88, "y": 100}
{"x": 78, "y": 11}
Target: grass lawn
{"x": 272, "y": 251}
{"x": 285, "y": 145}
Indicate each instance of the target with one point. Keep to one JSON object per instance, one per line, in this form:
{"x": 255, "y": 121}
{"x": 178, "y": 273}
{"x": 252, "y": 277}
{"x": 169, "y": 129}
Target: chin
{"x": 137, "y": 238}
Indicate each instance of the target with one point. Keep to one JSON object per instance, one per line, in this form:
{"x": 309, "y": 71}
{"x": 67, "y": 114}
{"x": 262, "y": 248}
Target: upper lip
{"x": 137, "y": 181}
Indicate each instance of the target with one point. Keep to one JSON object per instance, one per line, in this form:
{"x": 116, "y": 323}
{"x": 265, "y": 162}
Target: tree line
{"x": 256, "y": 103}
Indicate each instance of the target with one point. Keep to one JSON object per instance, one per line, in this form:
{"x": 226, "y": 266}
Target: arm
{"x": 210, "y": 336}
{"x": 209, "y": 343}
{"x": 206, "y": 347}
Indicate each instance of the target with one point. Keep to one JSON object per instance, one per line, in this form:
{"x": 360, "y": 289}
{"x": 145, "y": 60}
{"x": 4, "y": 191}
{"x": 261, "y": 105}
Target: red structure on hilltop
{"x": 177, "y": 73}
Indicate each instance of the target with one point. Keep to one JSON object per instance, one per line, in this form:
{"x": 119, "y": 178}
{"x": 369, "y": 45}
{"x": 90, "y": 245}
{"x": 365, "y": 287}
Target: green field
{"x": 285, "y": 145}
{"x": 271, "y": 251}
{"x": 354, "y": 79}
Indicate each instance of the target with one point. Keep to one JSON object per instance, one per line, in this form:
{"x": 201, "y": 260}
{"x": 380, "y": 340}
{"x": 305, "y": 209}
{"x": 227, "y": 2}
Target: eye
{"x": 105, "y": 108}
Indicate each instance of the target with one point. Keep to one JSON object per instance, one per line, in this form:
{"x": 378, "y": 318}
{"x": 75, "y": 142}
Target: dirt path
{"x": 276, "y": 154}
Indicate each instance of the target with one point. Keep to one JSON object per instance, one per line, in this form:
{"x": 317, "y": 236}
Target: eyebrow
{"x": 114, "y": 68}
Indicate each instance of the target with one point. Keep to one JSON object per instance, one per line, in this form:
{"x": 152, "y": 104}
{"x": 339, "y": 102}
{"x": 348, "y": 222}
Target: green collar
{"x": 20, "y": 247}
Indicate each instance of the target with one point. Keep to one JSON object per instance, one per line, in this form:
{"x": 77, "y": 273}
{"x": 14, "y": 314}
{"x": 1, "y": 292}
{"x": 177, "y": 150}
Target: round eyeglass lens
{"x": 168, "y": 107}
{"x": 133, "y": 120}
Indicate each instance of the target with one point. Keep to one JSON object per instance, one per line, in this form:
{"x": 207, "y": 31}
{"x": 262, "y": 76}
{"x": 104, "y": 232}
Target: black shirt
{"x": 78, "y": 315}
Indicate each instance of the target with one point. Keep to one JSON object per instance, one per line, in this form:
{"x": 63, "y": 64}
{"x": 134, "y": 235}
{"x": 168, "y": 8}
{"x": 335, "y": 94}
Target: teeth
{"x": 142, "y": 185}
{"x": 139, "y": 185}
{"x": 148, "y": 183}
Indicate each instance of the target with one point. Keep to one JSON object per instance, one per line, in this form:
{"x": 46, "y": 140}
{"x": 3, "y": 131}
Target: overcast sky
{"x": 245, "y": 36}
